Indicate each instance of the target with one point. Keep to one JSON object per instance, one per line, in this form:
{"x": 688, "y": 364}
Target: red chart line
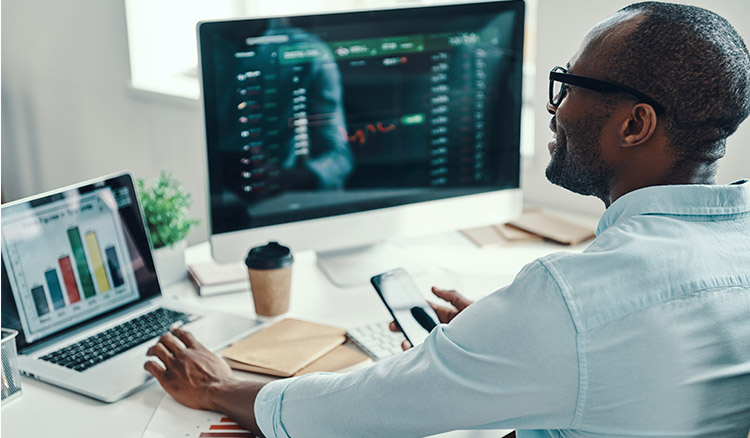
{"x": 226, "y": 427}
{"x": 226, "y": 420}
{"x": 226, "y": 435}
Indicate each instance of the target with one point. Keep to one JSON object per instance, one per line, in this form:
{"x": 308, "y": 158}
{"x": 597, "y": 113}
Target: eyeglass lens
{"x": 557, "y": 88}
{"x": 557, "y": 92}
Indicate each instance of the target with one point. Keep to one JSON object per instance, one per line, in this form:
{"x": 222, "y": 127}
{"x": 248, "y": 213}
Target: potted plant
{"x": 165, "y": 204}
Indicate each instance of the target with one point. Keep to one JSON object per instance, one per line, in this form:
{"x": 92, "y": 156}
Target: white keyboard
{"x": 377, "y": 340}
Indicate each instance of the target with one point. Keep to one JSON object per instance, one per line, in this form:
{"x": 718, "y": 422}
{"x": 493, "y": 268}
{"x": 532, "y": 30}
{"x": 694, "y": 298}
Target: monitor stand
{"x": 355, "y": 266}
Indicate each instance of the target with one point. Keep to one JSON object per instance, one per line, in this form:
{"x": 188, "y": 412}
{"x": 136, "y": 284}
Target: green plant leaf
{"x": 165, "y": 204}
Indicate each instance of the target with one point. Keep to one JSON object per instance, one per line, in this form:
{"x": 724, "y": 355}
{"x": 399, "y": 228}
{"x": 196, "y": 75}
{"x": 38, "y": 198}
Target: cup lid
{"x": 270, "y": 256}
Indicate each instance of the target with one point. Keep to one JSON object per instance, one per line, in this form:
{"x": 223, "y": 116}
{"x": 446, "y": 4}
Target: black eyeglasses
{"x": 559, "y": 78}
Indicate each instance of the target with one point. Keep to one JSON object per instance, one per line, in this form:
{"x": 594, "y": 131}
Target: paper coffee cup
{"x": 269, "y": 268}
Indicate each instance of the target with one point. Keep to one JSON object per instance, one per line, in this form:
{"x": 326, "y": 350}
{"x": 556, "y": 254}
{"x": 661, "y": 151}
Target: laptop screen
{"x": 72, "y": 256}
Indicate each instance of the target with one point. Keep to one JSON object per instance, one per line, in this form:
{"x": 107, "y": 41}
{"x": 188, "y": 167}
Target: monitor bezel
{"x": 330, "y": 232}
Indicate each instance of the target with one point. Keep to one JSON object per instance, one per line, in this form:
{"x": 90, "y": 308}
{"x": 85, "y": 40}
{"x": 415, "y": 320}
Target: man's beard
{"x": 583, "y": 170}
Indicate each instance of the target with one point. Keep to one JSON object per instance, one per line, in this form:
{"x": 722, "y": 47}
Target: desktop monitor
{"x": 340, "y": 130}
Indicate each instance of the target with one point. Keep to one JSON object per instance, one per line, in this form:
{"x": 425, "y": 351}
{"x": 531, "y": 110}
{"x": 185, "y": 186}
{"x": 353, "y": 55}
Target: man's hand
{"x": 444, "y": 313}
{"x": 200, "y": 379}
{"x": 192, "y": 372}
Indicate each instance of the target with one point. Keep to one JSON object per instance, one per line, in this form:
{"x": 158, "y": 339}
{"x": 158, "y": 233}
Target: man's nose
{"x": 552, "y": 109}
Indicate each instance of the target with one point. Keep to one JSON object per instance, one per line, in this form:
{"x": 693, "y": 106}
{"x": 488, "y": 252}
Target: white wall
{"x": 68, "y": 115}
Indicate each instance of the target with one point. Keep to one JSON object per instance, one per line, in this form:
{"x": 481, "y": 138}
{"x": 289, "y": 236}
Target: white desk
{"x": 451, "y": 261}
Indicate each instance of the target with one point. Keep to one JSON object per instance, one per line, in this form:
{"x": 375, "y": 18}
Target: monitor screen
{"x": 315, "y": 116}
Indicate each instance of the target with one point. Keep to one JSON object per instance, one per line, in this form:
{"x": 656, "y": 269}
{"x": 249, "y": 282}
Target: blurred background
{"x": 92, "y": 87}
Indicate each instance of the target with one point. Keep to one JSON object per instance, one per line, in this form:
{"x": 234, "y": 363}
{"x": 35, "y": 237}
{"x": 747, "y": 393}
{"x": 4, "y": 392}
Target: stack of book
{"x": 211, "y": 278}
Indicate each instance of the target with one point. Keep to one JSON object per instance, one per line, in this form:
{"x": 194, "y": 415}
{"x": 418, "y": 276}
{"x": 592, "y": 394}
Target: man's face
{"x": 577, "y": 163}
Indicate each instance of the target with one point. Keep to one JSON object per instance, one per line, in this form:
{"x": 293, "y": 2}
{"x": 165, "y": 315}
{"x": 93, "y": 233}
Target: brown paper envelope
{"x": 484, "y": 236}
{"x": 253, "y": 369}
{"x": 515, "y": 235}
{"x": 498, "y": 235}
{"x": 286, "y": 346}
{"x": 342, "y": 357}
{"x": 553, "y": 228}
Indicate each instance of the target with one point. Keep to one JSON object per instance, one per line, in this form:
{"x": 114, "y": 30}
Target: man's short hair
{"x": 695, "y": 64}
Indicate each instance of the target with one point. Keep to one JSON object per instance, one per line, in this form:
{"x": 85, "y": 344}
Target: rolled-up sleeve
{"x": 507, "y": 361}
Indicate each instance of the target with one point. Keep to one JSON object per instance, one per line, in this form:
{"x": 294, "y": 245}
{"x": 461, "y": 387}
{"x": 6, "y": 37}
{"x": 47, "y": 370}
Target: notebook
{"x": 79, "y": 285}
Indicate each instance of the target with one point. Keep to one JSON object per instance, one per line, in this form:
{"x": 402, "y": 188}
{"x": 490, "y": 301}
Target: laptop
{"x": 79, "y": 285}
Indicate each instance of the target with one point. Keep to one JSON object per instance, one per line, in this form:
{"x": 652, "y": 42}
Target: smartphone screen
{"x": 407, "y": 305}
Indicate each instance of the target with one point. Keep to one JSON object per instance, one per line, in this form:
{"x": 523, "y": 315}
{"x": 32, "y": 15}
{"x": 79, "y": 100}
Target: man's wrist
{"x": 219, "y": 393}
{"x": 236, "y": 399}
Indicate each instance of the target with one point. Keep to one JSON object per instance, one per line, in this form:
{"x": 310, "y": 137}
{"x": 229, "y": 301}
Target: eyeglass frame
{"x": 560, "y": 74}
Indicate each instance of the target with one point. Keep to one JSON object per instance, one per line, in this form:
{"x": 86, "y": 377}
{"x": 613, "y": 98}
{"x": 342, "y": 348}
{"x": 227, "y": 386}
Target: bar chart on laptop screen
{"x": 70, "y": 260}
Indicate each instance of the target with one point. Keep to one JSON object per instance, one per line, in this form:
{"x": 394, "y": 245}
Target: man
{"x": 646, "y": 333}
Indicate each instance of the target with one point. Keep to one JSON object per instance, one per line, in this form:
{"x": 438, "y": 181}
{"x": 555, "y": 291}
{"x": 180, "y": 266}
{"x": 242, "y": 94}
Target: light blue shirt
{"x": 646, "y": 333}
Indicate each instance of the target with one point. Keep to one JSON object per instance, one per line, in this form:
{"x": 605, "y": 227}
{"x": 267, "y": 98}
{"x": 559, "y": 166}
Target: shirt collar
{"x": 685, "y": 199}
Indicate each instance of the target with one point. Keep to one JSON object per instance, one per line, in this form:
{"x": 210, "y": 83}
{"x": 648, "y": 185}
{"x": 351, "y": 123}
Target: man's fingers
{"x": 155, "y": 370}
{"x": 394, "y": 327}
{"x": 187, "y": 338}
{"x": 171, "y": 343}
{"x": 444, "y": 313}
{"x": 160, "y": 351}
{"x": 405, "y": 345}
{"x": 437, "y": 308}
{"x": 456, "y": 299}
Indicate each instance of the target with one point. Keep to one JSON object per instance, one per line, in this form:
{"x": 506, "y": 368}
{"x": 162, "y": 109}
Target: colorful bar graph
{"x": 87, "y": 284}
{"x": 69, "y": 279}
{"x": 114, "y": 266}
{"x": 55, "y": 290}
{"x": 40, "y": 300}
{"x": 95, "y": 254}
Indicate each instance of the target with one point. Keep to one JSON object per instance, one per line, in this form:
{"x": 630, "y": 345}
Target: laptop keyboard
{"x": 96, "y": 349}
{"x": 376, "y": 339}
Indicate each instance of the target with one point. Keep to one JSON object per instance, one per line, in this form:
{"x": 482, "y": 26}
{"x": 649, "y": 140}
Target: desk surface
{"x": 450, "y": 261}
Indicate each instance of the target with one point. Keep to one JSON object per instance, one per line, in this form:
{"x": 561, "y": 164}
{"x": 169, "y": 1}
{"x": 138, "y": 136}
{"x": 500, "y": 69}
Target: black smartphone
{"x": 406, "y": 304}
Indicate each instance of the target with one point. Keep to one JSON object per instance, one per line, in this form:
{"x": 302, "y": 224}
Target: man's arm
{"x": 200, "y": 379}
{"x": 508, "y": 361}
{"x": 237, "y": 400}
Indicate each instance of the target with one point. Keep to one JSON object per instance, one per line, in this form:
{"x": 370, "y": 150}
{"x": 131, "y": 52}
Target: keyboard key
{"x": 105, "y": 345}
{"x": 377, "y": 340}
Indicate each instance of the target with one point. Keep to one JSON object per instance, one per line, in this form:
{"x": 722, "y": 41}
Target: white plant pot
{"x": 170, "y": 263}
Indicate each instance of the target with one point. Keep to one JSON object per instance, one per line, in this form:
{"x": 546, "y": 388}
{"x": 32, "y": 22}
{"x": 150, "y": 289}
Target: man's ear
{"x": 639, "y": 126}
